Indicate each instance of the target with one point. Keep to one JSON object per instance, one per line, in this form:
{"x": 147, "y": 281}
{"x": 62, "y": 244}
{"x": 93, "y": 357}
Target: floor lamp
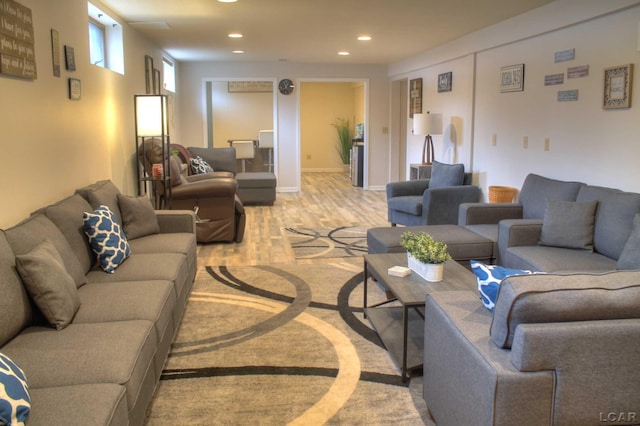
{"x": 427, "y": 125}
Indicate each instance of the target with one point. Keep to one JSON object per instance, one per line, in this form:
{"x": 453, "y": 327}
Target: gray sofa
{"x": 102, "y": 368}
{"x": 528, "y": 235}
{"x": 558, "y": 350}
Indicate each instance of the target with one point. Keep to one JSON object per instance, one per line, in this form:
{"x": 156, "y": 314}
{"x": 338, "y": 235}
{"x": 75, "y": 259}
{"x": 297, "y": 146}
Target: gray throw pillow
{"x": 443, "y": 175}
{"x": 49, "y": 284}
{"x": 568, "y": 224}
{"x": 138, "y": 217}
{"x": 630, "y": 256}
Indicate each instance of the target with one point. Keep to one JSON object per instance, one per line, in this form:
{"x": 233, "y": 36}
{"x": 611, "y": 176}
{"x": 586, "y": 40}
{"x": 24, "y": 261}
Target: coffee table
{"x": 401, "y": 328}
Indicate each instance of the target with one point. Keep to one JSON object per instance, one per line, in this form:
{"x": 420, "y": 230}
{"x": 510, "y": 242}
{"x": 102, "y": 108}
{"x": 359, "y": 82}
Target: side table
{"x": 419, "y": 171}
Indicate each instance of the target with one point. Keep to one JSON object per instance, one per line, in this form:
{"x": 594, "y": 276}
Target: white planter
{"x": 431, "y": 272}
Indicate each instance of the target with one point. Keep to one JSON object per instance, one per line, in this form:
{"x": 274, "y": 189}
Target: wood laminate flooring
{"x": 326, "y": 200}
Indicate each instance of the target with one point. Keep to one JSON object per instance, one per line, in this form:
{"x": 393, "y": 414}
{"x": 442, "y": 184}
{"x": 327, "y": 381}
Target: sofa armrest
{"x": 405, "y": 188}
{"x": 206, "y": 188}
{"x": 518, "y": 232}
{"x": 172, "y": 221}
{"x": 594, "y": 363}
{"x": 486, "y": 213}
{"x": 441, "y": 204}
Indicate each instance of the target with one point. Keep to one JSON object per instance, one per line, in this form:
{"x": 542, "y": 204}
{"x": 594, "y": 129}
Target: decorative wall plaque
{"x": 17, "y": 53}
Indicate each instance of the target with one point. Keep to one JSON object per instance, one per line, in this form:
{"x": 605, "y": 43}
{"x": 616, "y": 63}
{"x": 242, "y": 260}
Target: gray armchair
{"x": 431, "y": 201}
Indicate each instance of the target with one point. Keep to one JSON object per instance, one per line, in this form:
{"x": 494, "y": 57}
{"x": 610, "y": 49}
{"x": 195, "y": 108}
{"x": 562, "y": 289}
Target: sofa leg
{"x": 393, "y": 224}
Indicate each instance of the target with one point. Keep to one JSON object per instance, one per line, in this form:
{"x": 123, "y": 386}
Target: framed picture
{"x": 512, "y": 78}
{"x": 69, "y": 58}
{"x": 157, "y": 83}
{"x": 148, "y": 73}
{"x": 617, "y": 87}
{"x": 444, "y": 82}
{"x": 55, "y": 52}
{"x": 415, "y": 97}
{"x": 75, "y": 89}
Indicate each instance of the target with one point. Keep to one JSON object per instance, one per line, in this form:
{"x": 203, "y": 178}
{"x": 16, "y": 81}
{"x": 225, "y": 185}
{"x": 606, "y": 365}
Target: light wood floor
{"x": 325, "y": 200}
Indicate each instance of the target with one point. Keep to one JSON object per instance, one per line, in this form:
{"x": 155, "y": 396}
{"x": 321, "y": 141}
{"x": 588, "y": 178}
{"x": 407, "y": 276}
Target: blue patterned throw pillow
{"x": 199, "y": 166}
{"x": 107, "y": 238}
{"x": 489, "y": 278}
{"x": 15, "y": 401}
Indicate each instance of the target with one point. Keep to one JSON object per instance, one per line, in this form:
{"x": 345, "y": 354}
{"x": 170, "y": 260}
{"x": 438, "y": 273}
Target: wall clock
{"x": 285, "y": 86}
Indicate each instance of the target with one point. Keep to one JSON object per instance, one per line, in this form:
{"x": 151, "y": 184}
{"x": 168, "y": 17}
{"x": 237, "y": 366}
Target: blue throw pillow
{"x": 107, "y": 238}
{"x": 15, "y": 401}
{"x": 199, "y": 166}
{"x": 489, "y": 278}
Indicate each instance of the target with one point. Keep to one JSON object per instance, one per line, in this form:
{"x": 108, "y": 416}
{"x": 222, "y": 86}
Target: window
{"x": 96, "y": 43}
{"x": 106, "y": 46}
{"x": 169, "y": 73}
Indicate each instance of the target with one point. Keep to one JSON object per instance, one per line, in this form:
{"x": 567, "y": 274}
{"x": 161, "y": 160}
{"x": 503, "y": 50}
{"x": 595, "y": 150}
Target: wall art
{"x": 69, "y": 58}
{"x": 17, "y": 52}
{"x": 415, "y": 97}
{"x": 148, "y": 74}
{"x": 444, "y": 82}
{"x": 618, "y": 83}
{"x": 75, "y": 89}
{"x": 55, "y": 52}
{"x": 512, "y": 78}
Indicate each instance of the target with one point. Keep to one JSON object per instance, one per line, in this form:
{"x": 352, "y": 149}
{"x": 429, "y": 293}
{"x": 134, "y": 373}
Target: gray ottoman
{"x": 256, "y": 187}
{"x": 463, "y": 244}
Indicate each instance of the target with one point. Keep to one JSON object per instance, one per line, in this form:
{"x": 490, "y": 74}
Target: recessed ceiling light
{"x": 364, "y": 37}
{"x": 227, "y": 1}
{"x": 235, "y": 35}
{"x": 343, "y": 53}
{"x": 238, "y": 51}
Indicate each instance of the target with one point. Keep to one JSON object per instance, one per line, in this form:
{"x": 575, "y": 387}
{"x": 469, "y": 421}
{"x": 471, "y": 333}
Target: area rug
{"x": 313, "y": 243}
{"x": 286, "y": 344}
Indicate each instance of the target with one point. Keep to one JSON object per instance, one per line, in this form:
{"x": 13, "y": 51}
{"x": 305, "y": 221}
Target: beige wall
{"x": 52, "y": 145}
{"x": 239, "y": 115}
{"x": 320, "y": 105}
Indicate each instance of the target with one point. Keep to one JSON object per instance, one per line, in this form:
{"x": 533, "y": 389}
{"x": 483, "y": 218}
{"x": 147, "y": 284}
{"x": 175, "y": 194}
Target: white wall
{"x": 191, "y": 109}
{"x": 587, "y": 143}
{"x": 52, "y": 145}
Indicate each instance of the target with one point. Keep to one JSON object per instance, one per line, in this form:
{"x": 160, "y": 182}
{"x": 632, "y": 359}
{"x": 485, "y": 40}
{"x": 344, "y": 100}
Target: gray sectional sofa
{"x": 563, "y": 237}
{"x": 102, "y": 368}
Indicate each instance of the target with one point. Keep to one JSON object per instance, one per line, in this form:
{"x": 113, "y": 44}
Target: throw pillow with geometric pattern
{"x": 489, "y": 278}
{"x": 15, "y": 401}
{"x": 199, "y": 166}
{"x": 106, "y": 237}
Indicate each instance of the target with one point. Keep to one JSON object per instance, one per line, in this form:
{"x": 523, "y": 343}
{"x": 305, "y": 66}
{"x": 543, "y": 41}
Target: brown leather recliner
{"x": 221, "y": 213}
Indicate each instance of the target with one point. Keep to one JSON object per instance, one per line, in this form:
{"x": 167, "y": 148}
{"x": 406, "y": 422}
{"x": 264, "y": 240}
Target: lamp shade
{"x": 151, "y": 115}
{"x": 427, "y": 124}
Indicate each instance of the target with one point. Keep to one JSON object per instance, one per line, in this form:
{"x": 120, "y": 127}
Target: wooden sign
{"x": 17, "y": 52}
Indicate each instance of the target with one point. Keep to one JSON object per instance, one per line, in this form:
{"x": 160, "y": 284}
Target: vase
{"x": 431, "y": 272}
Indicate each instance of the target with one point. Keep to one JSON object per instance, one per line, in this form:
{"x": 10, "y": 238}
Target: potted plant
{"x": 425, "y": 255}
{"x": 344, "y": 146}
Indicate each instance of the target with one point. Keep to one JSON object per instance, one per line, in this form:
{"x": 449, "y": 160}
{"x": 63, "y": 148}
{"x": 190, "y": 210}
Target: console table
{"x": 401, "y": 328}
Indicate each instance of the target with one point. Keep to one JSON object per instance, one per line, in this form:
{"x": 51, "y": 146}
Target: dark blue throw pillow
{"x": 15, "y": 401}
{"x": 107, "y": 238}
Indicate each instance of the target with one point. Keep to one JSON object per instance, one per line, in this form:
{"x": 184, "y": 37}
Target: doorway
{"x": 323, "y": 104}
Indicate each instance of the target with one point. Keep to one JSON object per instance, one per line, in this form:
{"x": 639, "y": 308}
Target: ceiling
{"x": 310, "y": 30}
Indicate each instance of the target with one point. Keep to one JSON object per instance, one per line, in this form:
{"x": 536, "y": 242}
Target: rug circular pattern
{"x": 283, "y": 344}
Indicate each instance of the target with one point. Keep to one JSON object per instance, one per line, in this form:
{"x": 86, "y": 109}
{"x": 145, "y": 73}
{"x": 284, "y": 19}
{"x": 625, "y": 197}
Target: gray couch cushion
{"x": 102, "y": 404}
{"x": 138, "y": 217}
{"x": 103, "y": 192}
{"x": 443, "y": 175}
{"x": 49, "y": 284}
{"x": 556, "y": 259}
{"x": 14, "y": 304}
{"x": 119, "y": 352}
{"x": 614, "y": 217}
{"x": 536, "y": 190}
{"x": 630, "y": 256}
{"x": 67, "y": 215}
{"x": 530, "y": 299}
{"x": 32, "y": 231}
{"x": 568, "y": 224}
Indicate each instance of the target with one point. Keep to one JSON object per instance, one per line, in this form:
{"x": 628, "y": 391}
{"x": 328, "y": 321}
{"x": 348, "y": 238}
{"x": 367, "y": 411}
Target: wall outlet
{"x": 308, "y": 156}
{"x": 494, "y": 139}
{"x": 546, "y": 144}
{"x": 525, "y": 142}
